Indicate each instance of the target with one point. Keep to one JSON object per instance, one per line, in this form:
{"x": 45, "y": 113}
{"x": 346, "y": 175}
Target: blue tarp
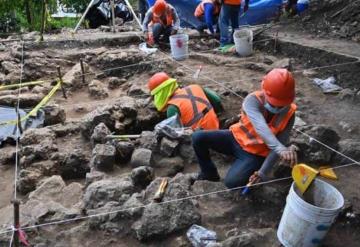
{"x": 260, "y": 11}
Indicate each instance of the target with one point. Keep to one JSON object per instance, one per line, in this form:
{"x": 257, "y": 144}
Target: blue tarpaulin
{"x": 10, "y": 131}
{"x": 260, "y": 12}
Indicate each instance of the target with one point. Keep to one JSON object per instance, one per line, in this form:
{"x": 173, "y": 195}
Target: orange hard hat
{"x": 157, "y": 79}
{"x": 279, "y": 87}
{"x": 159, "y": 7}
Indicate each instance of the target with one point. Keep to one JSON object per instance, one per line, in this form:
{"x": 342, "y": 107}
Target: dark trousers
{"x": 223, "y": 141}
{"x": 229, "y": 14}
{"x": 143, "y": 7}
{"x": 159, "y": 30}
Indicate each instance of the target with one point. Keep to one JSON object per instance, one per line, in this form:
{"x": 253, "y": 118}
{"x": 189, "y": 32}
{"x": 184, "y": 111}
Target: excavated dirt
{"x": 263, "y": 208}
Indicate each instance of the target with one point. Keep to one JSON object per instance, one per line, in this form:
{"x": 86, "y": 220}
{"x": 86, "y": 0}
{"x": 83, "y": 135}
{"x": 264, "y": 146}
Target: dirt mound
{"x": 337, "y": 18}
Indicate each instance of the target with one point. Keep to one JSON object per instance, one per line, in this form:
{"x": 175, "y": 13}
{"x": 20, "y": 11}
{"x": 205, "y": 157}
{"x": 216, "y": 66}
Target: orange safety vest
{"x": 199, "y": 11}
{"x": 168, "y": 17}
{"x": 245, "y": 133}
{"x": 232, "y": 2}
{"x": 195, "y": 109}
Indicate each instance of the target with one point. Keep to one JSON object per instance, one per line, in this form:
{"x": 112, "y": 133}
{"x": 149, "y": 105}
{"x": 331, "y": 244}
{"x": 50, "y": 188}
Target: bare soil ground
{"x": 241, "y": 75}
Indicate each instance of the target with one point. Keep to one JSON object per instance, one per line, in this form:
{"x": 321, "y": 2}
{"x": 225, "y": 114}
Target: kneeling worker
{"x": 195, "y": 106}
{"x": 208, "y": 11}
{"x": 258, "y": 139}
{"x": 164, "y": 21}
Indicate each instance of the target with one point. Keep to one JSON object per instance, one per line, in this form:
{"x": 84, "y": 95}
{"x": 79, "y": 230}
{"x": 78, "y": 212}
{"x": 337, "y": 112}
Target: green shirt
{"x": 213, "y": 98}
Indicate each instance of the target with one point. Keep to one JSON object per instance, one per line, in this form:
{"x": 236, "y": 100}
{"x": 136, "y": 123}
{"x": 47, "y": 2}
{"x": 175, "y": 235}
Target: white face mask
{"x": 272, "y": 109}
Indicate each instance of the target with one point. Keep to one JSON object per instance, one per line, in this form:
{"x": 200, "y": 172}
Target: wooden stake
{"x": 113, "y": 15}
{"x": 61, "y": 82}
{"x": 82, "y": 71}
{"x": 16, "y": 222}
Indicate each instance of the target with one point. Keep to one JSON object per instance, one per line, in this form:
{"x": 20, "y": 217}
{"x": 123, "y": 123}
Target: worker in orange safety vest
{"x": 258, "y": 139}
{"x": 163, "y": 20}
{"x": 208, "y": 11}
{"x": 195, "y": 106}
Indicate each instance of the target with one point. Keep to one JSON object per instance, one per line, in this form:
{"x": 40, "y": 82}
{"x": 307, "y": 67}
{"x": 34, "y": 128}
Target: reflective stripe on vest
{"x": 195, "y": 109}
{"x": 199, "y": 11}
{"x": 246, "y": 135}
{"x": 193, "y": 99}
{"x": 168, "y": 16}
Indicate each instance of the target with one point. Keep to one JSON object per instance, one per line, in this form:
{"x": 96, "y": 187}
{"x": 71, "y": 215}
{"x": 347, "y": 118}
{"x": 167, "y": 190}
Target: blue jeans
{"x": 159, "y": 30}
{"x": 223, "y": 141}
{"x": 228, "y": 14}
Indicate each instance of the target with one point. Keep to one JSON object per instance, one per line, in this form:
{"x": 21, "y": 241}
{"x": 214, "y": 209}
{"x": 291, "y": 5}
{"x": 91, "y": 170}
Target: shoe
{"x": 202, "y": 176}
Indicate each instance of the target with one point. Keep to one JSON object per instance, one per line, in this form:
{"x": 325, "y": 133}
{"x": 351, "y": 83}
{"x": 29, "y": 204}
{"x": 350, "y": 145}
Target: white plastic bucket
{"x": 179, "y": 46}
{"x": 307, "y": 218}
{"x": 243, "y": 39}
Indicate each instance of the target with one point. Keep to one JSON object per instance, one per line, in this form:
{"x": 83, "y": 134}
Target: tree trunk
{"x": 28, "y": 14}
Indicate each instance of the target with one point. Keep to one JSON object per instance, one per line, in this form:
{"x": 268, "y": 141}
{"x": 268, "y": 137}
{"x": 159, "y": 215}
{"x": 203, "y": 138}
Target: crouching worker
{"x": 258, "y": 139}
{"x": 163, "y": 20}
{"x": 208, "y": 11}
{"x": 196, "y": 107}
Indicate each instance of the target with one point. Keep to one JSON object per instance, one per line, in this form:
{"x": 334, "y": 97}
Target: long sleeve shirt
{"x": 253, "y": 109}
{"x": 149, "y": 16}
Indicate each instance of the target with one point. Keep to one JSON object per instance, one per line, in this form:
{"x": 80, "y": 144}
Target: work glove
{"x": 289, "y": 155}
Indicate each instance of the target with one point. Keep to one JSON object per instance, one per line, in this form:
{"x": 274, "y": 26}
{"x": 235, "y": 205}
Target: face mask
{"x": 272, "y": 109}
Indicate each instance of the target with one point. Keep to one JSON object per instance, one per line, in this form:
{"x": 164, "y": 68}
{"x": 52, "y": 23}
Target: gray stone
{"x": 115, "y": 82}
{"x": 100, "y": 192}
{"x": 54, "y": 189}
{"x": 137, "y": 90}
{"x": 350, "y": 148}
{"x": 142, "y": 176}
{"x": 161, "y": 220}
{"x": 92, "y": 119}
{"x": 73, "y": 77}
{"x": 168, "y": 166}
{"x": 54, "y": 114}
{"x": 285, "y": 63}
{"x": 65, "y": 129}
{"x": 141, "y": 157}
{"x": 103, "y": 157}
{"x": 28, "y": 179}
{"x": 310, "y": 151}
{"x": 99, "y": 134}
{"x": 124, "y": 150}
{"x": 35, "y": 136}
{"x": 93, "y": 176}
{"x": 72, "y": 165}
{"x": 148, "y": 139}
{"x": 185, "y": 180}
{"x": 97, "y": 90}
{"x": 168, "y": 147}
{"x": 187, "y": 152}
{"x": 204, "y": 186}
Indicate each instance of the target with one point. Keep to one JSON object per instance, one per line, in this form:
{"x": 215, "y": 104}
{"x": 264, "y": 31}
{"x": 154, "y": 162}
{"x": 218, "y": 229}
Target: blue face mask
{"x": 272, "y": 109}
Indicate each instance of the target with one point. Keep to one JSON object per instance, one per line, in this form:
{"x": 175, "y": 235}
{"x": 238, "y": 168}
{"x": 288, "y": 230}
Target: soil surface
{"x": 227, "y": 75}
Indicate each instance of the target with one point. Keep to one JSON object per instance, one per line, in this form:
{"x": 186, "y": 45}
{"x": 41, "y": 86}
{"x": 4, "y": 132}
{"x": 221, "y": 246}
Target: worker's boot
{"x": 202, "y": 176}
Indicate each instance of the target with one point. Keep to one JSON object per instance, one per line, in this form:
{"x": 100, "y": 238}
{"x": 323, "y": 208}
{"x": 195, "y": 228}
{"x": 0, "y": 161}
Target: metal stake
{"x": 61, "y": 82}
{"x": 113, "y": 15}
{"x": 16, "y": 222}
